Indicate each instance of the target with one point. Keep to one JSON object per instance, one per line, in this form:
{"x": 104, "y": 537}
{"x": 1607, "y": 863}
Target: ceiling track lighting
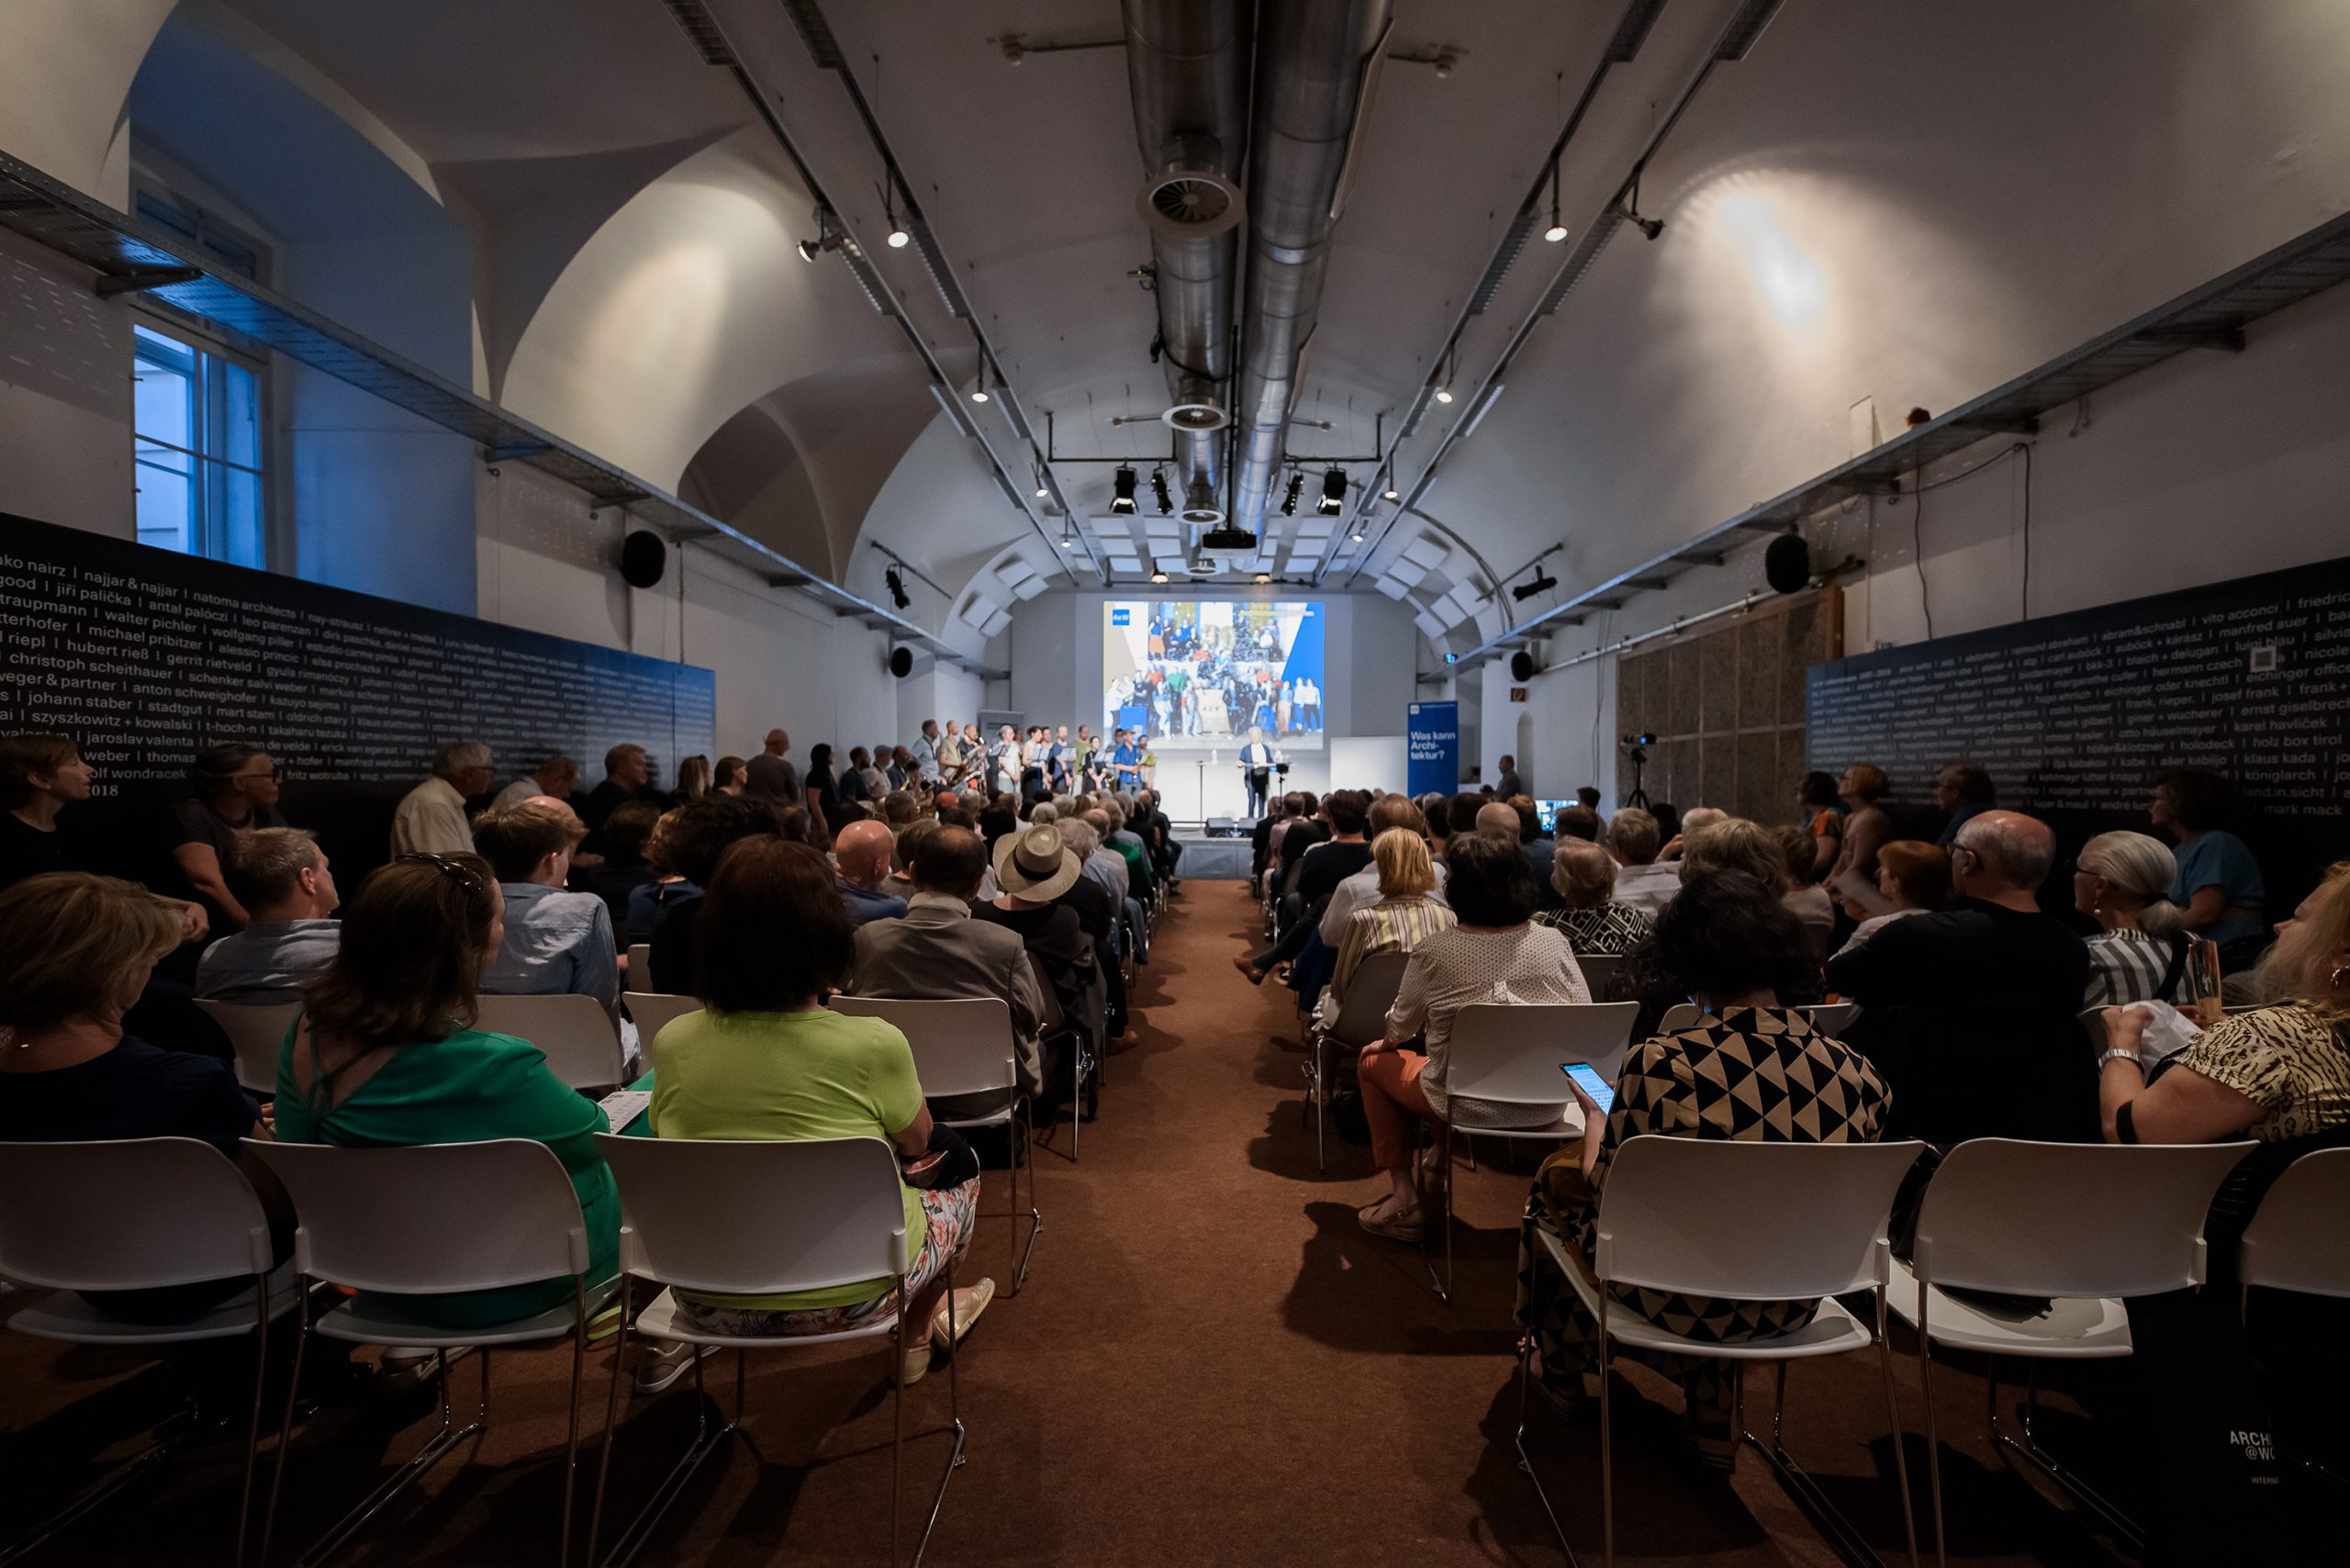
{"x": 1264, "y": 578}
{"x": 1068, "y": 540}
{"x": 1444, "y": 377}
{"x": 1629, "y": 203}
{"x": 898, "y": 238}
{"x": 1159, "y": 492}
{"x": 828, "y": 237}
{"x": 980, "y": 391}
{"x": 1043, "y": 492}
{"x": 1159, "y": 575}
{"x": 897, "y": 586}
{"x": 1121, "y": 492}
{"x": 1334, "y": 493}
{"x": 1555, "y": 233}
{"x": 1543, "y": 583}
{"x": 1289, "y": 498}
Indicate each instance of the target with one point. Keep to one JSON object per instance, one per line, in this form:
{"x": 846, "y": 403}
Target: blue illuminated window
{"x": 197, "y": 449}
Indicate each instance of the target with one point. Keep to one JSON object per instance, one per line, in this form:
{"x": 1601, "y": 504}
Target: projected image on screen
{"x": 1191, "y": 675}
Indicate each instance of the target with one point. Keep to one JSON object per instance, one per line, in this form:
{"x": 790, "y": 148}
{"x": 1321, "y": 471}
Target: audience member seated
{"x": 937, "y": 951}
{"x": 1142, "y": 881}
{"x": 384, "y": 1058}
{"x": 1633, "y": 838}
{"x": 1098, "y": 910}
{"x": 625, "y": 867}
{"x": 1407, "y": 911}
{"x": 236, "y": 789}
{"x": 76, "y": 952}
{"x": 900, "y": 809}
{"x": 1823, "y": 820}
{"x": 280, "y": 879}
{"x": 558, "y": 777}
{"x": 1495, "y": 954}
{"x": 1734, "y": 843}
{"x": 430, "y": 819}
{"x": 1965, "y": 791}
{"x": 1322, "y": 867}
{"x": 861, "y": 856}
{"x": 2123, "y": 880}
{"x": 1971, "y": 1013}
{"x": 1807, "y": 899}
{"x": 1868, "y": 827}
{"x": 1574, "y": 822}
{"x": 899, "y": 882}
{"x": 692, "y": 838}
{"x": 764, "y": 1059}
{"x": 1361, "y": 890}
{"x": 1697, "y": 820}
{"x": 1033, "y": 869}
{"x": 1594, "y": 920}
{"x": 2219, "y": 886}
{"x": 556, "y": 943}
{"x": 1105, "y": 864}
{"x": 1753, "y": 1071}
{"x": 1433, "y": 806}
{"x": 1498, "y": 819}
{"x": 1535, "y": 844}
{"x": 1914, "y": 875}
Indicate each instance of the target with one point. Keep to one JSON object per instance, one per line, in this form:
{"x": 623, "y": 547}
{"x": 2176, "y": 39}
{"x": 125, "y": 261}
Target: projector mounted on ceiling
{"x": 1227, "y": 543}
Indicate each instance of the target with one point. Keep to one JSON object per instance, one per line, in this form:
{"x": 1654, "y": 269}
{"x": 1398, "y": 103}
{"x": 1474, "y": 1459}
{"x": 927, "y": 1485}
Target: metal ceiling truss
{"x": 131, "y": 256}
{"x": 2211, "y": 316}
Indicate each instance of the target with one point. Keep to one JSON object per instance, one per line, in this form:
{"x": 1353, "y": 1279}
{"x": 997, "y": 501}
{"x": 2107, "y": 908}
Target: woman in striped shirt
{"x": 2119, "y": 881}
{"x": 1407, "y": 914}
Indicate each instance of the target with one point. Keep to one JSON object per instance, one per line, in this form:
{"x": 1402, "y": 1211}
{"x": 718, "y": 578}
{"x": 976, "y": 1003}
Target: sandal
{"x": 1402, "y": 1226}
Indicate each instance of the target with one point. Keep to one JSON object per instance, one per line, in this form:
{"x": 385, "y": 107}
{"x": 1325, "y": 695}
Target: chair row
{"x": 2089, "y": 1226}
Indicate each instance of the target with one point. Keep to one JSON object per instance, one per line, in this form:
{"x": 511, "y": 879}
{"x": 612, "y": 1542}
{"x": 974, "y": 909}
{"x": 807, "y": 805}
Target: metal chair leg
{"x": 571, "y": 1438}
{"x": 1606, "y": 1446}
{"x": 2048, "y": 1464}
{"x": 1525, "y": 1460}
{"x": 286, "y": 1428}
{"x": 1892, "y": 1417}
{"x": 1933, "y": 1442}
{"x": 1838, "y": 1531}
{"x": 612, "y": 1425}
{"x": 252, "y": 1428}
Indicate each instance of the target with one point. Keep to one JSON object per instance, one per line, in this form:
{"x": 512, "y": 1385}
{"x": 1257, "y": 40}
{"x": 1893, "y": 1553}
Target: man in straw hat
{"x": 1034, "y": 868}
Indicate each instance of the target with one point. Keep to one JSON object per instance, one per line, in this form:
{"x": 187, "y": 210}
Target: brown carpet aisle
{"x": 1210, "y": 1363}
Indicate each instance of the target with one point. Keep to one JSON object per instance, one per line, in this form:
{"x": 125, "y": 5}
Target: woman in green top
{"x": 381, "y": 1059}
{"x": 766, "y": 1060}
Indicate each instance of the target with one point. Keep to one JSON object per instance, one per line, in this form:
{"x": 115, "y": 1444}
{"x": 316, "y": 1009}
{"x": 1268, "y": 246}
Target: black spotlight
{"x": 897, "y": 588}
{"x": 1787, "y": 563}
{"x": 1158, "y": 492}
{"x": 1543, "y": 583}
{"x": 1334, "y": 493}
{"x": 1288, "y": 501}
{"x": 1651, "y": 227}
{"x": 644, "y": 557}
{"x": 1122, "y": 497}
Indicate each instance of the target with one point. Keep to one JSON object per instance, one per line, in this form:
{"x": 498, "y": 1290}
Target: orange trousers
{"x": 1391, "y": 1097}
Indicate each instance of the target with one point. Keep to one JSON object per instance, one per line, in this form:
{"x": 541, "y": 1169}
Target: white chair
{"x": 136, "y": 1213}
{"x": 654, "y": 1011}
{"x": 434, "y": 1220}
{"x": 1679, "y": 1016}
{"x": 1083, "y": 1062}
{"x": 1362, "y": 1018}
{"x": 2087, "y": 1225}
{"x": 1600, "y": 971}
{"x": 257, "y": 1031}
{"x": 1737, "y": 1221}
{"x": 830, "y": 1214}
{"x": 964, "y": 1047}
{"x": 1513, "y": 1054}
{"x": 582, "y": 1047}
{"x": 2294, "y": 1239}
{"x": 640, "y": 965}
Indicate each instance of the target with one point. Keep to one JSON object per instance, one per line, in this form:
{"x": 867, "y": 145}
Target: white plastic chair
{"x": 1362, "y": 1018}
{"x": 831, "y": 1213}
{"x": 1739, "y": 1221}
{"x": 136, "y": 1213}
{"x": 1512, "y": 1054}
{"x": 2087, "y": 1225}
{"x": 1600, "y": 971}
{"x": 582, "y": 1047}
{"x": 965, "y": 1046}
{"x": 653, "y": 1012}
{"x": 257, "y": 1031}
{"x": 1084, "y": 1063}
{"x": 2294, "y": 1239}
{"x": 436, "y": 1219}
{"x": 640, "y": 965}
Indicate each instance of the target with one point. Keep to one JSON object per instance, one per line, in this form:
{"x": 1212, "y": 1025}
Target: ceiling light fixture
{"x": 1159, "y": 492}
{"x": 1629, "y": 203}
{"x": 980, "y": 392}
{"x": 1159, "y": 577}
{"x": 1121, "y": 492}
{"x": 1334, "y": 493}
{"x": 1264, "y": 578}
{"x": 1289, "y": 499}
{"x": 1358, "y": 536}
{"x": 1543, "y": 583}
{"x": 1556, "y": 232}
{"x": 1444, "y": 377}
{"x": 1043, "y": 492}
{"x": 897, "y": 586}
{"x": 828, "y": 237}
{"x": 1066, "y": 541}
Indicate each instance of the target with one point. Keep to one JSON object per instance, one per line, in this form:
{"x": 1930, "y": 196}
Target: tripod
{"x": 1638, "y": 797}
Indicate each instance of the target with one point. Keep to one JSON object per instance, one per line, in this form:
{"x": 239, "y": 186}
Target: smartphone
{"x": 1602, "y": 1093}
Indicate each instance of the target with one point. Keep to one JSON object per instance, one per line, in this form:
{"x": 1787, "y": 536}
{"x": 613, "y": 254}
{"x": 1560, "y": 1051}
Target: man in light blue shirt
{"x": 1125, "y": 763}
{"x": 556, "y": 943}
{"x": 280, "y": 876}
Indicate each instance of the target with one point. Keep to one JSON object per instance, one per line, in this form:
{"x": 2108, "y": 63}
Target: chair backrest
{"x": 962, "y": 1045}
{"x": 1747, "y": 1221}
{"x": 581, "y": 1044}
{"x": 1512, "y": 1052}
{"x": 1831, "y": 1018}
{"x": 1370, "y": 991}
{"x": 257, "y": 1031}
{"x": 1600, "y": 972}
{"x": 433, "y": 1219}
{"x": 654, "y": 1011}
{"x": 1679, "y": 1016}
{"x": 127, "y": 1214}
{"x": 640, "y": 963}
{"x": 2070, "y": 1220}
{"x": 2297, "y": 1238}
{"x": 830, "y": 1212}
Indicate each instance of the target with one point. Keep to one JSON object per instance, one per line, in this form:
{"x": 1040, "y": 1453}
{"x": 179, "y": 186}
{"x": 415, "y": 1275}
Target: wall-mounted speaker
{"x": 645, "y": 555}
{"x": 1787, "y": 563}
{"x": 901, "y": 662}
{"x": 1522, "y": 665}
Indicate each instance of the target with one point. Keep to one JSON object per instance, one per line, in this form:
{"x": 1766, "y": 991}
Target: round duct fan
{"x": 1189, "y": 203}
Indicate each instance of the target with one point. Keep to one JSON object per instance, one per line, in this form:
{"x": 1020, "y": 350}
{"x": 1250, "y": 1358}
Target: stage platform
{"x": 1212, "y": 859}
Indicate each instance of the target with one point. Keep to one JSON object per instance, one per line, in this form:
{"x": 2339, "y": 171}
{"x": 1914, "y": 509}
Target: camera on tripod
{"x": 1633, "y": 744}
{"x": 1635, "y": 752}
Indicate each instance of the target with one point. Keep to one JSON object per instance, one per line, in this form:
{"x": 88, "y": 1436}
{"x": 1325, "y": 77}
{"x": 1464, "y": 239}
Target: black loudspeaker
{"x": 901, "y": 662}
{"x": 1521, "y": 666}
{"x": 1786, "y": 565}
{"x": 643, "y": 558}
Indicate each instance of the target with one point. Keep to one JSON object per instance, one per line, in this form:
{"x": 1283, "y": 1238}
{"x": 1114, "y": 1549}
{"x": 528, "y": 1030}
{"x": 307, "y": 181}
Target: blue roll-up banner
{"x": 1432, "y": 747}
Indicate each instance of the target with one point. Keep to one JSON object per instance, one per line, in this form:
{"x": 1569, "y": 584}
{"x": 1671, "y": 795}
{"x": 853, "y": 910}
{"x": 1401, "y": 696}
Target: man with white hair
{"x": 1692, "y": 821}
{"x": 430, "y": 819}
{"x": 1641, "y": 880}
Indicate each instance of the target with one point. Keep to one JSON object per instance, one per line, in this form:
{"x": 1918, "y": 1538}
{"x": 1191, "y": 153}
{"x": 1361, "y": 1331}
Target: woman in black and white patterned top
{"x": 2119, "y": 880}
{"x": 1594, "y": 922}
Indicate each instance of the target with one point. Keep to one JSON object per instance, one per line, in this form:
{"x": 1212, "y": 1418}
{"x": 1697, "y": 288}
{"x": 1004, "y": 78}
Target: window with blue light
{"x": 197, "y": 448}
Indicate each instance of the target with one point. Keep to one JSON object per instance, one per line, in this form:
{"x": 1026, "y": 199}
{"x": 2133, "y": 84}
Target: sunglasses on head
{"x": 462, "y": 876}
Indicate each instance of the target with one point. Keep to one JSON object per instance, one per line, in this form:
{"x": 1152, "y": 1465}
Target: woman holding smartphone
{"x": 1732, "y": 945}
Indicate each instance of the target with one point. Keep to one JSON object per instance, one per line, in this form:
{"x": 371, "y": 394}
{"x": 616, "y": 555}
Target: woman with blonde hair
{"x": 2139, "y": 951}
{"x": 693, "y": 778}
{"x": 1407, "y": 914}
{"x": 2276, "y": 1074}
{"x": 1867, "y": 827}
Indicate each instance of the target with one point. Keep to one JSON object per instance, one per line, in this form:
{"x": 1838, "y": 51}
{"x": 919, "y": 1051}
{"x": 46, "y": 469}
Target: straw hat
{"x": 1034, "y": 864}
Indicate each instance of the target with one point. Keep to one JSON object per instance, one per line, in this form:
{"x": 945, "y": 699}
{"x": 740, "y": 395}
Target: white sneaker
{"x": 658, "y": 1369}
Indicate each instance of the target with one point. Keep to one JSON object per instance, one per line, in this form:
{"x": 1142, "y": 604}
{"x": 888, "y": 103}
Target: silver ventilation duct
{"x": 1187, "y": 64}
{"x": 1318, "y": 65}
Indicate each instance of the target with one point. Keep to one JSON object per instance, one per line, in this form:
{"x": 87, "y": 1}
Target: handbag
{"x": 956, "y": 1163}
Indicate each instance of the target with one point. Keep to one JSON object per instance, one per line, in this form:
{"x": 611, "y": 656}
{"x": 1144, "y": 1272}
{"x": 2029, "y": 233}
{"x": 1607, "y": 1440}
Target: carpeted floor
{"x": 1210, "y": 1363}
